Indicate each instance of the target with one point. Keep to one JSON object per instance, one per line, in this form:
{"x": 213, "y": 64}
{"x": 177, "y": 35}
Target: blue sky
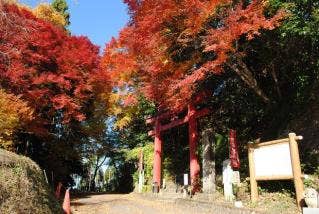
{"x": 97, "y": 19}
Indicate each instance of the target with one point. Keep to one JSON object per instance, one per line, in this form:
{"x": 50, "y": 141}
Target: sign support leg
{"x": 253, "y": 182}
{"x": 296, "y": 169}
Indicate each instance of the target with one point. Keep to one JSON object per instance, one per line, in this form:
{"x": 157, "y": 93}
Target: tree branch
{"x": 241, "y": 69}
{"x": 274, "y": 77}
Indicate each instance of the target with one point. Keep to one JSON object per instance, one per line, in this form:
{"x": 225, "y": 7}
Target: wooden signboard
{"x": 275, "y": 160}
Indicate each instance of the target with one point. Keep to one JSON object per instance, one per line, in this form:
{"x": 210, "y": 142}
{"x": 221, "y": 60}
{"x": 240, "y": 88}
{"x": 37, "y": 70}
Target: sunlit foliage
{"x": 48, "y": 13}
{"x": 14, "y": 115}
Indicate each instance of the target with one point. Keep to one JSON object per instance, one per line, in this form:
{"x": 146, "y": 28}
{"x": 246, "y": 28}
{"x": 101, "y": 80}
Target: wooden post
{"x": 296, "y": 169}
{"x": 52, "y": 179}
{"x": 45, "y": 176}
{"x": 233, "y": 148}
{"x": 253, "y": 182}
{"x": 140, "y": 172}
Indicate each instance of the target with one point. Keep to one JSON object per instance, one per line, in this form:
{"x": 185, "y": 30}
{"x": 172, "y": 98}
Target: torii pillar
{"x": 193, "y": 138}
{"x": 157, "y": 154}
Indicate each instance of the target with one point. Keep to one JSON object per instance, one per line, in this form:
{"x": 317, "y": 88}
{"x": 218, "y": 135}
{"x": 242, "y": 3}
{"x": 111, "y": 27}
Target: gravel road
{"x": 127, "y": 204}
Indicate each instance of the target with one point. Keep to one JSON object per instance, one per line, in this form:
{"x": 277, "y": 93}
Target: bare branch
{"x": 241, "y": 69}
{"x": 274, "y": 76}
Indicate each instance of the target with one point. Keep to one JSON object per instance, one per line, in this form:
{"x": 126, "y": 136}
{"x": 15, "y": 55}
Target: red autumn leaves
{"x": 165, "y": 42}
{"x": 159, "y": 54}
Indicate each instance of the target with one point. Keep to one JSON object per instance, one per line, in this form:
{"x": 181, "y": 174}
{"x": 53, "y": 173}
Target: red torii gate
{"x": 191, "y": 118}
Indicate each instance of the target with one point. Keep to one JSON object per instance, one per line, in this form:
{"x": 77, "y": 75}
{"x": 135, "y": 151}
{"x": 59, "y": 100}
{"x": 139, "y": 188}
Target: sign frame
{"x": 295, "y": 165}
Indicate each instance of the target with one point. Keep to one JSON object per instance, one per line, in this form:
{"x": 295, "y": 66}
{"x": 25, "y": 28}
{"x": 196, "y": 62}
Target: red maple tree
{"x": 165, "y": 41}
{"x": 50, "y": 69}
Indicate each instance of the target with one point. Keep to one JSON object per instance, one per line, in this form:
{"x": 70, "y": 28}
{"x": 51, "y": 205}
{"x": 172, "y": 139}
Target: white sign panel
{"x": 236, "y": 177}
{"x": 185, "y": 179}
{"x": 273, "y": 160}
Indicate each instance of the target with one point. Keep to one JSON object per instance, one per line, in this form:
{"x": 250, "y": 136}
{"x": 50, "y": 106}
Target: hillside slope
{"x": 307, "y": 125}
{"x": 23, "y": 188}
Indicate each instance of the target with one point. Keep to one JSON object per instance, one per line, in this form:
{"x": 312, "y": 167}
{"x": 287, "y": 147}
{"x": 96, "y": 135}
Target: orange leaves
{"x": 198, "y": 11}
{"x": 240, "y": 21}
{"x": 119, "y": 62}
{"x": 47, "y": 78}
{"x": 14, "y": 114}
{"x": 130, "y": 100}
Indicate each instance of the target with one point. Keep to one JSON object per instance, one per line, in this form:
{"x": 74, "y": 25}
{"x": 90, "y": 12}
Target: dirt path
{"x": 126, "y": 204}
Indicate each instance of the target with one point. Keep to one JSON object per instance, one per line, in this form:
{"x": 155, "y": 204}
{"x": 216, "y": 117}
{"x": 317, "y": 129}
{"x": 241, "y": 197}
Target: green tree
{"x": 131, "y": 139}
{"x": 48, "y": 13}
{"x": 62, "y": 7}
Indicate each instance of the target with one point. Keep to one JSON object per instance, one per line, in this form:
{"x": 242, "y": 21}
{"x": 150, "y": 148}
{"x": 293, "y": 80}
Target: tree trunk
{"x": 274, "y": 76}
{"x": 97, "y": 167}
